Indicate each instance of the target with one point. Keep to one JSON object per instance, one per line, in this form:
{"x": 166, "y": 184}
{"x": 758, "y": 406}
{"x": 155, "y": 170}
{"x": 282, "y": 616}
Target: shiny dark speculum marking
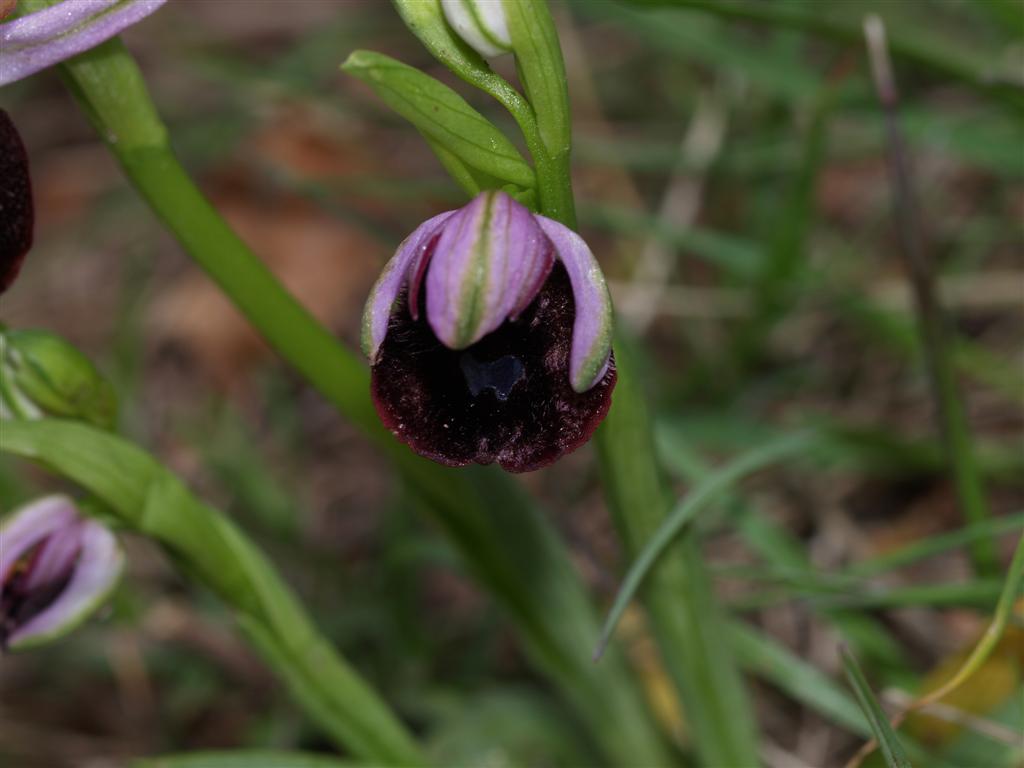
{"x": 506, "y": 398}
{"x": 500, "y": 376}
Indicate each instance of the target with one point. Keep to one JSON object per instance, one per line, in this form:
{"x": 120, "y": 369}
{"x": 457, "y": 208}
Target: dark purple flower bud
{"x": 56, "y": 568}
{"x": 16, "y": 212}
{"x": 489, "y": 333}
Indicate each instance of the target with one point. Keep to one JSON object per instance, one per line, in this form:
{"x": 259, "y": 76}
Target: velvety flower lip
{"x": 17, "y": 215}
{"x": 38, "y": 40}
{"x": 489, "y": 333}
{"x": 56, "y": 568}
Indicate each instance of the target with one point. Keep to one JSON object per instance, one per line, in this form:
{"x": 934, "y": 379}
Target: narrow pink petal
{"x": 56, "y": 556}
{"x": 592, "y": 326}
{"x": 396, "y": 272}
{"x": 41, "y": 39}
{"x": 29, "y": 525}
{"x": 98, "y": 568}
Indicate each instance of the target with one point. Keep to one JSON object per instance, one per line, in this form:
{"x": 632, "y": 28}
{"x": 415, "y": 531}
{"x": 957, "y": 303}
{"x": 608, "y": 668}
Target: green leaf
{"x": 892, "y": 750}
{"x": 805, "y": 683}
{"x": 442, "y": 116}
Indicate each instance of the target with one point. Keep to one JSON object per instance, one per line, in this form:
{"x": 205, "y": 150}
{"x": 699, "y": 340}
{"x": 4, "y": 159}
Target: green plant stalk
{"x": 892, "y": 749}
{"x": 542, "y": 73}
{"x": 484, "y": 513}
{"x": 687, "y": 619}
{"x": 148, "y": 499}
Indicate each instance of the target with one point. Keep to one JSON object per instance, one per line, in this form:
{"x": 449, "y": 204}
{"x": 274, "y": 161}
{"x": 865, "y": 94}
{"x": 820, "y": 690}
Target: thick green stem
{"x": 504, "y": 539}
{"x": 687, "y": 619}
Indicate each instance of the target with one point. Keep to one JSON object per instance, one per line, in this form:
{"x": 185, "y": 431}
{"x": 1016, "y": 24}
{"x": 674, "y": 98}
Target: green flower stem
{"x": 688, "y": 622}
{"x": 545, "y": 128}
{"x": 542, "y": 73}
{"x": 148, "y": 499}
{"x": 504, "y": 539}
{"x": 687, "y": 619}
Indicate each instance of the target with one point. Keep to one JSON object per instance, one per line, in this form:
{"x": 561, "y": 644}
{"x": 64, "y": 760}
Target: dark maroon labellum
{"x": 18, "y": 601}
{"x": 16, "y": 212}
{"x": 506, "y": 398}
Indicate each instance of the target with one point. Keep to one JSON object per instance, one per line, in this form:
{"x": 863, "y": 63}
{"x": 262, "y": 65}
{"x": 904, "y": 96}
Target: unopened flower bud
{"x": 46, "y": 376}
{"x": 56, "y": 568}
{"x": 481, "y": 24}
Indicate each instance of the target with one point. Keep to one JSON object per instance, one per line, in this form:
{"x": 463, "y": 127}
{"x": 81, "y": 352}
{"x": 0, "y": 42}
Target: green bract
{"x": 45, "y": 375}
{"x": 444, "y": 118}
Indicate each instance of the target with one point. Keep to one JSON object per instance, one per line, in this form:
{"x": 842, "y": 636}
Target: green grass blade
{"x": 888, "y": 742}
{"x": 704, "y": 494}
{"x": 943, "y": 57}
{"x": 766, "y": 658}
{"x": 934, "y": 545}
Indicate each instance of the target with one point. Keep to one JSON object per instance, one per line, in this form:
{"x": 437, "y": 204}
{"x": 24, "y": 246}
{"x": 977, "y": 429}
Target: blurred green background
{"x": 730, "y": 171}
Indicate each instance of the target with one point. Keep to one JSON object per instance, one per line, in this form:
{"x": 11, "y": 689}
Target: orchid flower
{"x": 45, "y": 37}
{"x": 489, "y": 334}
{"x": 56, "y": 568}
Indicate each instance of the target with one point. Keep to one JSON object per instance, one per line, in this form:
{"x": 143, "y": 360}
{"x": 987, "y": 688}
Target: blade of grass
{"x": 775, "y": 287}
{"x": 982, "y": 594}
{"x": 941, "y": 57}
{"x": 709, "y": 491}
{"x": 778, "y": 547}
{"x": 805, "y": 683}
{"x": 934, "y": 545}
{"x": 932, "y": 319}
{"x": 892, "y": 750}
{"x": 1012, "y": 589}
